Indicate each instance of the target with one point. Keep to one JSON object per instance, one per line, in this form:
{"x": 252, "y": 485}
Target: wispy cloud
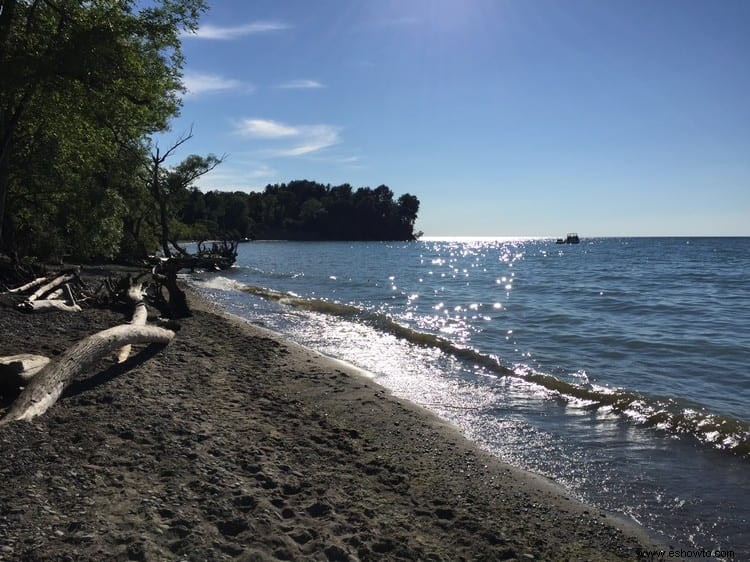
{"x": 198, "y": 83}
{"x": 349, "y": 160}
{"x": 266, "y": 129}
{"x": 219, "y": 33}
{"x": 305, "y": 139}
{"x": 316, "y": 137}
{"x": 301, "y": 85}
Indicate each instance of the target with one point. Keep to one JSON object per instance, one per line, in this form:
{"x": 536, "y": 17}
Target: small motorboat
{"x": 570, "y": 238}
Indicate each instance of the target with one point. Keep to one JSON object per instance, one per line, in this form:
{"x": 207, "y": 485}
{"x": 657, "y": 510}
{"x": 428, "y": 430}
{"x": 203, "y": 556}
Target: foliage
{"x": 303, "y": 210}
{"x": 168, "y": 187}
{"x": 83, "y": 85}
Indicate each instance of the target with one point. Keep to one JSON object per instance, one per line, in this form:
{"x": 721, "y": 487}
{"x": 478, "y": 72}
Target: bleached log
{"x": 52, "y": 285}
{"x": 18, "y": 370}
{"x": 47, "y": 386}
{"x": 28, "y": 286}
{"x": 140, "y": 315}
{"x": 49, "y": 305}
{"x": 55, "y": 295}
{"x": 53, "y": 302}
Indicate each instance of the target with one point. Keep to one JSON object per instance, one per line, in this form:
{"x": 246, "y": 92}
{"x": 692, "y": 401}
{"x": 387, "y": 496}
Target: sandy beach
{"x": 234, "y": 444}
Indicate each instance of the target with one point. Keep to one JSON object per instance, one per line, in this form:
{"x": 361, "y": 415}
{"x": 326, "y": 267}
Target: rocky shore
{"x": 234, "y": 444}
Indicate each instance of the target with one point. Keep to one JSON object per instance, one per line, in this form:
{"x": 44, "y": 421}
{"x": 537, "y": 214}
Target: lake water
{"x": 617, "y": 367}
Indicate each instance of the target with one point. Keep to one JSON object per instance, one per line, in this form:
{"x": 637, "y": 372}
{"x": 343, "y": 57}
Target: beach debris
{"x": 44, "y": 380}
{"x": 219, "y": 255}
{"x": 28, "y": 286}
{"x": 46, "y": 387}
{"x": 50, "y": 291}
{"x": 164, "y": 273}
{"x": 140, "y": 315}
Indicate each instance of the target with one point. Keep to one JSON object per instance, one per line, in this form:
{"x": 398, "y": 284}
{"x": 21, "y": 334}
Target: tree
{"x": 406, "y": 214}
{"x": 169, "y": 187}
{"x": 80, "y": 81}
{"x": 307, "y": 210}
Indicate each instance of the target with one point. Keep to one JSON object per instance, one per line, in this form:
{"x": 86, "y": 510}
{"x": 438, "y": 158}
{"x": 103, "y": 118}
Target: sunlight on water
{"x": 588, "y": 364}
{"x": 481, "y": 239}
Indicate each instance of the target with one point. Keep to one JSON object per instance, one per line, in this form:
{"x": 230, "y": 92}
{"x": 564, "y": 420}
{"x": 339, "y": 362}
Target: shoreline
{"x": 233, "y": 443}
{"x": 617, "y": 520}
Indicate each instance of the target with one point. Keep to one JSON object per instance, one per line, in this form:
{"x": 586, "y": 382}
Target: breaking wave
{"x": 666, "y": 414}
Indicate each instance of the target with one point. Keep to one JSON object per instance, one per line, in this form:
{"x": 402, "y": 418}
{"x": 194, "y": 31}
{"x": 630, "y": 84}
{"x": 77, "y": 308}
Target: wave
{"x": 220, "y": 283}
{"x": 721, "y": 432}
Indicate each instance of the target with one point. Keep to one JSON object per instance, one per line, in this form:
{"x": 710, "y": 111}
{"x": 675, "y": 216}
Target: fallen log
{"x": 48, "y": 305}
{"x": 53, "y": 302}
{"x": 53, "y": 284}
{"x": 47, "y": 386}
{"x": 28, "y": 286}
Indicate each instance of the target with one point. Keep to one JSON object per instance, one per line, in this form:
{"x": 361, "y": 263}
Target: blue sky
{"x": 505, "y": 117}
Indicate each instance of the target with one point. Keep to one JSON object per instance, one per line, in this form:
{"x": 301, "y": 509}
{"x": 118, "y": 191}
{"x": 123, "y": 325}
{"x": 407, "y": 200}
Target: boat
{"x": 570, "y": 238}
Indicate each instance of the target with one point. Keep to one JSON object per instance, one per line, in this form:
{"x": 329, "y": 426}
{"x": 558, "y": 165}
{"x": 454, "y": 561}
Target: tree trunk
{"x": 49, "y": 305}
{"x": 165, "y": 272}
{"x": 156, "y": 191}
{"x": 140, "y": 315}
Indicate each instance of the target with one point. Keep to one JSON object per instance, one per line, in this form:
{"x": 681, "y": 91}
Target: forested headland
{"x": 84, "y": 87}
{"x": 300, "y": 210}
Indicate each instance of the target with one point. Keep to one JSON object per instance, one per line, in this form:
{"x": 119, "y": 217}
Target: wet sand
{"x": 232, "y": 443}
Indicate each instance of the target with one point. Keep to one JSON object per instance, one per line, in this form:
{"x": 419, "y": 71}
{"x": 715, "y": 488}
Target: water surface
{"x": 616, "y": 367}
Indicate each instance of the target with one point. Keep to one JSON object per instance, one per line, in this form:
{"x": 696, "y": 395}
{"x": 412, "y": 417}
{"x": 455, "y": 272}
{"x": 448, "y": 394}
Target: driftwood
{"x": 53, "y": 302}
{"x": 49, "y": 305}
{"x": 49, "y": 292}
{"x": 28, "y": 286}
{"x": 216, "y": 257}
{"x": 53, "y": 284}
{"x": 47, "y": 386}
{"x": 44, "y": 379}
{"x": 140, "y": 315}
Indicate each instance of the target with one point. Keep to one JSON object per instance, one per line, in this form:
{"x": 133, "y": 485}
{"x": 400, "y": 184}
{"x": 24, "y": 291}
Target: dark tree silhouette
{"x": 304, "y": 210}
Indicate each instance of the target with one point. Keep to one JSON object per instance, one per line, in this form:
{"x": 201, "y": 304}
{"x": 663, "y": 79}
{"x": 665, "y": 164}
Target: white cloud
{"x": 306, "y": 138}
{"x": 201, "y": 83}
{"x": 266, "y": 129}
{"x": 316, "y": 137}
{"x": 302, "y": 85}
{"x": 216, "y": 32}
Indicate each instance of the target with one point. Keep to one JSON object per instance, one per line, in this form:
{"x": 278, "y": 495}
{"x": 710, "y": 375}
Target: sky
{"x": 504, "y": 117}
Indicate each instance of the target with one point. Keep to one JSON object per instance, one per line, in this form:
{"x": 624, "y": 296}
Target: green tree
{"x": 83, "y": 82}
{"x": 170, "y": 187}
